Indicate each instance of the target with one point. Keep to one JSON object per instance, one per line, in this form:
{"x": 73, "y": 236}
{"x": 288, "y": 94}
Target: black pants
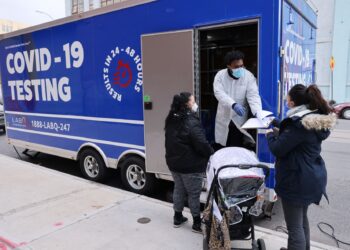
{"x": 297, "y": 225}
{"x": 235, "y": 137}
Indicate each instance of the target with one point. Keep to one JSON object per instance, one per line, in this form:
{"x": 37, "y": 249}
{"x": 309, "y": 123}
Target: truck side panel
{"x": 96, "y": 71}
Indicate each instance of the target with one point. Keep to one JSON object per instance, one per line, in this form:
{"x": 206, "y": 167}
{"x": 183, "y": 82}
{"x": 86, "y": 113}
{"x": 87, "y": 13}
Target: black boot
{"x": 196, "y": 227}
{"x": 179, "y": 219}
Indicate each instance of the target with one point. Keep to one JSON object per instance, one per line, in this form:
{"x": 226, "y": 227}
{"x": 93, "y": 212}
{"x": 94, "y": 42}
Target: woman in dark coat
{"x": 187, "y": 154}
{"x": 301, "y": 175}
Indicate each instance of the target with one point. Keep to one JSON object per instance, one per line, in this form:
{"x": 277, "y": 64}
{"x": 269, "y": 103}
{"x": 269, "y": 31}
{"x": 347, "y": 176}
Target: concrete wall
{"x": 68, "y": 7}
{"x": 341, "y": 51}
{"x": 333, "y": 39}
{"x": 324, "y": 39}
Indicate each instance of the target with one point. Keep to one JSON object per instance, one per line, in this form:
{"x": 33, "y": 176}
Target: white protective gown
{"x": 229, "y": 91}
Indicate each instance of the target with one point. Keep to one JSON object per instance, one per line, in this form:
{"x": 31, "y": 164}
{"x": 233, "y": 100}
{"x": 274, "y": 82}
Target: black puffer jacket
{"x": 301, "y": 175}
{"x": 187, "y": 149}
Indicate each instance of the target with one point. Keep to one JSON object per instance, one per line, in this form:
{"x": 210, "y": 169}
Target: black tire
{"x": 346, "y": 113}
{"x": 135, "y": 178}
{"x": 92, "y": 165}
{"x": 261, "y": 244}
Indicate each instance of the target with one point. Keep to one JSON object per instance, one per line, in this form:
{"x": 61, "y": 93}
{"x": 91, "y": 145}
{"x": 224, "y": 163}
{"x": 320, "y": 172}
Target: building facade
{"x": 78, "y": 6}
{"x": 333, "y": 40}
{"x": 9, "y": 26}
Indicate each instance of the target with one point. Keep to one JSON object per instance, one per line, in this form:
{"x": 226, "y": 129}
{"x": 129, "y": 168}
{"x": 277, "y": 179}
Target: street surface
{"x": 53, "y": 210}
{"x": 336, "y": 153}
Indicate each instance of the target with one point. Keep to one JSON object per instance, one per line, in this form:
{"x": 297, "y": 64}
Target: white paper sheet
{"x": 263, "y": 120}
{"x": 263, "y": 113}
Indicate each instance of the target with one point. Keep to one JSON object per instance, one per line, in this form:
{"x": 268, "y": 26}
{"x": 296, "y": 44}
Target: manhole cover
{"x": 144, "y": 220}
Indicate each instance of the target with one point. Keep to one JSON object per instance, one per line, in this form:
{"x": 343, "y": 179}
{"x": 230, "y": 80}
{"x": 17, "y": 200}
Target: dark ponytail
{"x": 298, "y": 95}
{"x": 179, "y": 107}
{"x": 310, "y": 96}
{"x": 316, "y": 100}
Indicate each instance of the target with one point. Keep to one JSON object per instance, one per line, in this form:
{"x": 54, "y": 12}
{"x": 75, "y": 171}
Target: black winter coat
{"x": 301, "y": 175}
{"x": 187, "y": 149}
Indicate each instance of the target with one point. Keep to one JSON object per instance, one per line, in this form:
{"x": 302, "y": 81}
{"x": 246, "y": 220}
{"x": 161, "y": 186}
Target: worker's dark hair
{"x": 311, "y": 96}
{"x": 178, "y": 107}
{"x": 233, "y": 56}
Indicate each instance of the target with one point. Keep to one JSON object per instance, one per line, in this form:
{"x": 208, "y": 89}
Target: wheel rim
{"x": 346, "y": 114}
{"x": 91, "y": 167}
{"x": 136, "y": 176}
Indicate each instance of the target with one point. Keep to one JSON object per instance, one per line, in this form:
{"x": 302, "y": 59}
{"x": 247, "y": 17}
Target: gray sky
{"x": 24, "y": 11}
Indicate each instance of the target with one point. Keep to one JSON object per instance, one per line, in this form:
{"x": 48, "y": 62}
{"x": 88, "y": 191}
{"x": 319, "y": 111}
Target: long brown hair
{"x": 310, "y": 96}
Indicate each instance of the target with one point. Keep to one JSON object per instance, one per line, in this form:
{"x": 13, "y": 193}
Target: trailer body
{"x": 103, "y": 80}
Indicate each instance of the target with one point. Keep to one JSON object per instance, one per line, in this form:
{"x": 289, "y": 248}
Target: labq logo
{"x": 123, "y": 74}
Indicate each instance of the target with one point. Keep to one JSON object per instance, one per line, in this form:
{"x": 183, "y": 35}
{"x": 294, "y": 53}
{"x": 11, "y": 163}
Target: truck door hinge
{"x": 281, "y": 51}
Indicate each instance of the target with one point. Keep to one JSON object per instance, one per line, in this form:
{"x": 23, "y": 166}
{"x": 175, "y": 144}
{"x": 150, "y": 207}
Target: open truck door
{"x": 168, "y": 69}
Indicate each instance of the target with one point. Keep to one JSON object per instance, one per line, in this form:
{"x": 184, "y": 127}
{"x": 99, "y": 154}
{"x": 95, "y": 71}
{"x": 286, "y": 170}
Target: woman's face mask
{"x": 194, "y": 107}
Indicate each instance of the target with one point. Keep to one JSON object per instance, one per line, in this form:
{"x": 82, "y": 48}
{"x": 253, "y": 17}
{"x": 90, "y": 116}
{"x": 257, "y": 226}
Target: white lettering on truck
{"x": 41, "y": 89}
{"x": 40, "y": 60}
{"x": 297, "y": 61}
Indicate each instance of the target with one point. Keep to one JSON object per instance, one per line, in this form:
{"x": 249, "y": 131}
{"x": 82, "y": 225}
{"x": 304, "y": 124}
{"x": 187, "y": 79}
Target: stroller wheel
{"x": 261, "y": 244}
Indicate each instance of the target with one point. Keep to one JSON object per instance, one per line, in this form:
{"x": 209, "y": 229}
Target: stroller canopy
{"x": 235, "y": 185}
{"x": 233, "y": 156}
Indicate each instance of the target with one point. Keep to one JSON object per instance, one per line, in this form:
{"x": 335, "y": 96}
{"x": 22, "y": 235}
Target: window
{"x": 74, "y": 6}
{"x": 110, "y": 2}
{"x": 6, "y": 28}
{"x": 77, "y": 6}
{"x": 81, "y": 6}
{"x": 91, "y": 4}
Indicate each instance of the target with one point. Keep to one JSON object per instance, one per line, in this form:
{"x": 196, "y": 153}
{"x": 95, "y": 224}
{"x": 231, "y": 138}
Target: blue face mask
{"x": 238, "y": 73}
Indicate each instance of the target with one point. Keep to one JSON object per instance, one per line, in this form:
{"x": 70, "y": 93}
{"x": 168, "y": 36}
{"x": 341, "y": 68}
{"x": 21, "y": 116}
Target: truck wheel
{"x": 346, "y": 114}
{"x": 92, "y": 165}
{"x": 135, "y": 178}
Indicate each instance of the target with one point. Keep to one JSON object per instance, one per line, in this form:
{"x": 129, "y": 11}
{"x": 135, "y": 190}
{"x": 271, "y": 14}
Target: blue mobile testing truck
{"x": 96, "y": 87}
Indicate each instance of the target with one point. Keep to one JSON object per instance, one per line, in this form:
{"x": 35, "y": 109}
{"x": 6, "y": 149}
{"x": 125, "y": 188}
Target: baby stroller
{"x": 236, "y": 189}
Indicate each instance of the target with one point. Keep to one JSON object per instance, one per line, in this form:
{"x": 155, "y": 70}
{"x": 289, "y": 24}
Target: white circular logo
{"x": 122, "y": 72}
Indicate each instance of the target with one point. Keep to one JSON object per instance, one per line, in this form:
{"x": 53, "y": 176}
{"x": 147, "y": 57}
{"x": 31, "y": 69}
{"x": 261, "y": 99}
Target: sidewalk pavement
{"x": 42, "y": 209}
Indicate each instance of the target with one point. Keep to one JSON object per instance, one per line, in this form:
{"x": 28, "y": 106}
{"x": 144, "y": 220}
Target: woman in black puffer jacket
{"x": 301, "y": 175}
{"x": 187, "y": 154}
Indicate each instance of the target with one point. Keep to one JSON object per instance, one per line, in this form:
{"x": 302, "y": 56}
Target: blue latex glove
{"x": 239, "y": 109}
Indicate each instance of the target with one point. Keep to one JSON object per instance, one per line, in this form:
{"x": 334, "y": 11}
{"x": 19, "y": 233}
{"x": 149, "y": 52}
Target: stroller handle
{"x": 244, "y": 167}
